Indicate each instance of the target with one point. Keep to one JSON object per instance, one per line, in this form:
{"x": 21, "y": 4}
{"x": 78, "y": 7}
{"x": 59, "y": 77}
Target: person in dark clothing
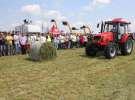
{"x": 2, "y": 45}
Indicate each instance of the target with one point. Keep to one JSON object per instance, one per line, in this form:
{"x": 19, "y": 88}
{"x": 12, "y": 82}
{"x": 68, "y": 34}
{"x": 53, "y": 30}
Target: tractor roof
{"x": 119, "y": 20}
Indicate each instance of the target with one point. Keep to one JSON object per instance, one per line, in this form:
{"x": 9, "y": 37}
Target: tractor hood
{"x": 104, "y": 37}
{"x": 105, "y": 34}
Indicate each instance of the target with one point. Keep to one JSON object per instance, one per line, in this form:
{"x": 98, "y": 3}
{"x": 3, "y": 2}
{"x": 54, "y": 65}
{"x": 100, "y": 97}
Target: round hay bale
{"x": 34, "y": 51}
{"x": 48, "y": 51}
{"x": 40, "y": 51}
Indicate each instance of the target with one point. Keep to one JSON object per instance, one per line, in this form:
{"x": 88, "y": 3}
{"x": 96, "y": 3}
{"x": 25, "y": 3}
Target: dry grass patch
{"x": 71, "y": 76}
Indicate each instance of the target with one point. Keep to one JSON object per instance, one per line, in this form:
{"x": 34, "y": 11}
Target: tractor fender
{"x": 132, "y": 35}
{"x": 125, "y": 37}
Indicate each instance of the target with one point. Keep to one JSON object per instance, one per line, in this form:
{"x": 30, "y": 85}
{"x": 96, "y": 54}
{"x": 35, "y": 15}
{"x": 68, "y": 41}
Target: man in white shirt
{"x": 16, "y": 39}
{"x": 42, "y": 38}
{"x": 23, "y": 42}
{"x": 74, "y": 40}
{"x": 62, "y": 41}
{"x": 33, "y": 38}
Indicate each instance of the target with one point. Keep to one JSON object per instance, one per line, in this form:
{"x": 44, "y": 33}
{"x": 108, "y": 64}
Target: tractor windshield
{"x": 116, "y": 27}
{"x": 110, "y": 27}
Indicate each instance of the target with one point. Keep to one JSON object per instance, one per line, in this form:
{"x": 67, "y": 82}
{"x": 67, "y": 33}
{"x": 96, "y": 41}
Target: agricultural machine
{"x": 114, "y": 38}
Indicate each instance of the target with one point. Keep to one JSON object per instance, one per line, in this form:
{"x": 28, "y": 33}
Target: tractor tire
{"x": 90, "y": 50}
{"x": 110, "y": 51}
{"x": 127, "y": 47}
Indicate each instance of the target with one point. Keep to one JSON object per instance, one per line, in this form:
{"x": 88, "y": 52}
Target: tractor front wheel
{"x": 90, "y": 50}
{"x": 110, "y": 51}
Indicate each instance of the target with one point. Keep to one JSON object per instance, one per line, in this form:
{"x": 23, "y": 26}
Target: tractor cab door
{"x": 114, "y": 30}
{"x": 122, "y": 31}
{"x": 112, "y": 27}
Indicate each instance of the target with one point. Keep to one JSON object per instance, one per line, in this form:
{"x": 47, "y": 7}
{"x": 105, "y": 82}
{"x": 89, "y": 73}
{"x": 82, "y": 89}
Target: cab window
{"x": 123, "y": 28}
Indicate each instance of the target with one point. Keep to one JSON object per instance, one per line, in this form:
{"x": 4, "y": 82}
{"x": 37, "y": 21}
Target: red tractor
{"x": 113, "y": 39}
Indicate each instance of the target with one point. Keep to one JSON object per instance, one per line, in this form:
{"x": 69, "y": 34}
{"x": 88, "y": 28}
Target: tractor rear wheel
{"x": 110, "y": 51}
{"x": 127, "y": 47}
{"x": 90, "y": 50}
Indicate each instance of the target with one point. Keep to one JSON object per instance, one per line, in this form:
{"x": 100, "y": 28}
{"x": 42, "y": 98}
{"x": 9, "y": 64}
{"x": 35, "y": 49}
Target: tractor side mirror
{"x": 98, "y": 25}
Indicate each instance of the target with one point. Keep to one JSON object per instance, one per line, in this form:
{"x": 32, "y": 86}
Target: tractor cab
{"x": 118, "y": 27}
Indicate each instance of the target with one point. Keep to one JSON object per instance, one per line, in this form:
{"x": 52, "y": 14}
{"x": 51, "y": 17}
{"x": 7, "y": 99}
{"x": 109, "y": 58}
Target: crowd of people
{"x": 67, "y": 41}
{"x": 13, "y": 44}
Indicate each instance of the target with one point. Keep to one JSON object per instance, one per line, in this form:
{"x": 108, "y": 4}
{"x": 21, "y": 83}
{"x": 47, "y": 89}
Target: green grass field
{"x": 71, "y": 76}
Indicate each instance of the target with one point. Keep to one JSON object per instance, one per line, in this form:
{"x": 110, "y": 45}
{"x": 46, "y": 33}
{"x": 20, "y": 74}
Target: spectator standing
{"x": 85, "y": 39}
{"x": 56, "y": 41}
{"x": 23, "y": 42}
{"x": 29, "y": 40}
{"x": 78, "y": 40}
{"x": 62, "y": 41}
{"x": 42, "y": 38}
{"x": 17, "y": 43}
{"x": 2, "y": 45}
{"x": 66, "y": 41}
{"x": 33, "y": 38}
{"x": 38, "y": 37}
{"x": 74, "y": 40}
{"x": 69, "y": 41}
{"x": 81, "y": 40}
{"x": 9, "y": 44}
{"x": 48, "y": 39}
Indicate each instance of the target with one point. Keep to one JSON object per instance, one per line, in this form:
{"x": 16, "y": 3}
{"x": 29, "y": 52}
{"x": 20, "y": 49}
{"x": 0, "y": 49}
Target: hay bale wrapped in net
{"x": 34, "y": 51}
{"x": 48, "y": 51}
{"x": 39, "y": 52}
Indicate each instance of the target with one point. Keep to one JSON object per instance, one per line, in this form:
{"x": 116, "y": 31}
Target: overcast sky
{"x": 78, "y": 12}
